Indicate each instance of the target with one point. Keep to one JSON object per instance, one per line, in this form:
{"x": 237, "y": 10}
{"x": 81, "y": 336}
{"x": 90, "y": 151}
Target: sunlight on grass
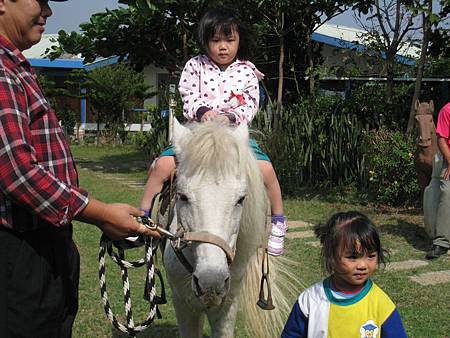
{"x": 421, "y": 307}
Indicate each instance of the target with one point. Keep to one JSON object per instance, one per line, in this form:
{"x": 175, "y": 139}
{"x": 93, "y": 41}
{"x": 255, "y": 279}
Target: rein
{"x": 107, "y": 245}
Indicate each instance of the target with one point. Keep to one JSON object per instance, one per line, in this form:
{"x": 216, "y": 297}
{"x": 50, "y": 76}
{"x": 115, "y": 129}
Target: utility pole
{"x": 172, "y": 106}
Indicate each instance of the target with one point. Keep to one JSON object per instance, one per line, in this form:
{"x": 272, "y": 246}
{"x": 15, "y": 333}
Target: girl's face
{"x": 222, "y": 49}
{"x": 353, "y": 269}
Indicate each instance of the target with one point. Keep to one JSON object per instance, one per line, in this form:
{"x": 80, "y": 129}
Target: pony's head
{"x": 424, "y": 121}
{"x": 219, "y": 189}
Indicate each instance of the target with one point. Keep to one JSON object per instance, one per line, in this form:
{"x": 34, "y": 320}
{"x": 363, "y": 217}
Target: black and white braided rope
{"x": 106, "y": 245}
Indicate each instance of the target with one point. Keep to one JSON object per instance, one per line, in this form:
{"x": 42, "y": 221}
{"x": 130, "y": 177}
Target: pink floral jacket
{"x": 233, "y": 92}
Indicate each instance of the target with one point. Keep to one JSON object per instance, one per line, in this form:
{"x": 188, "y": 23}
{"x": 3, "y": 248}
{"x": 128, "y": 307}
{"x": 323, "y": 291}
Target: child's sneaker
{"x": 275, "y": 247}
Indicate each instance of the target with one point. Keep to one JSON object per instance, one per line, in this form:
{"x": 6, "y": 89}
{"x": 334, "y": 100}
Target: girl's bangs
{"x": 225, "y": 28}
{"x": 358, "y": 239}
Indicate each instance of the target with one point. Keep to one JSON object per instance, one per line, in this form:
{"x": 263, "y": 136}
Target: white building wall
{"x": 151, "y": 73}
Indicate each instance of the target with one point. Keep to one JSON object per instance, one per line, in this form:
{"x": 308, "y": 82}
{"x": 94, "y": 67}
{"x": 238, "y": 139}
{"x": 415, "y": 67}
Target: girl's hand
{"x": 223, "y": 119}
{"x": 446, "y": 175}
{"x": 209, "y": 115}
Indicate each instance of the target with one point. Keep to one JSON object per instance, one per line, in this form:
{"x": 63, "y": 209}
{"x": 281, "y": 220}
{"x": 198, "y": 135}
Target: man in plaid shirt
{"x": 39, "y": 193}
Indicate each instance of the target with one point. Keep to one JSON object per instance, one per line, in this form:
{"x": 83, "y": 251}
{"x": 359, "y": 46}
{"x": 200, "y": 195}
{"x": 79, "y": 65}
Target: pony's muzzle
{"x": 424, "y": 141}
{"x": 211, "y": 285}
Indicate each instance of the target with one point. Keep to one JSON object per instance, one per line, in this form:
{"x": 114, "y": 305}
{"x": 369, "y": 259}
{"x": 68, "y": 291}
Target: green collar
{"x": 348, "y": 301}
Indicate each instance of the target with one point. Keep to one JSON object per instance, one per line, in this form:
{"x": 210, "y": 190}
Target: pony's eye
{"x": 241, "y": 200}
{"x": 183, "y": 197}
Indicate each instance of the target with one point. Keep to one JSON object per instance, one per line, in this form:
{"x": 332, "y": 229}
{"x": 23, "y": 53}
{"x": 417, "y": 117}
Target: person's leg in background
{"x": 441, "y": 243}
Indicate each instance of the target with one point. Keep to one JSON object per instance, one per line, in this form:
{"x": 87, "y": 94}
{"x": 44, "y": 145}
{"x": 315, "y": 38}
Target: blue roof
{"x": 58, "y": 63}
{"x": 72, "y": 63}
{"x": 341, "y": 43}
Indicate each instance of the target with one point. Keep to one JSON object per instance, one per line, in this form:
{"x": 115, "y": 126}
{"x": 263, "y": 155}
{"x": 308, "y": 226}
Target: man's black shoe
{"x": 436, "y": 251}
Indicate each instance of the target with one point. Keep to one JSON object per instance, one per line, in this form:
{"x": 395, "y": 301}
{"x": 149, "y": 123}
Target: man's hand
{"x": 115, "y": 220}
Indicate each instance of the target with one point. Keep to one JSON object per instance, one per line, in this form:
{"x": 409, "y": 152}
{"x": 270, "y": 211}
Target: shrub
{"x": 368, "y": 103}
{"x": 391, "y": 171}
{"x": 157, "y": 139}
{"x": 317, "y": 142}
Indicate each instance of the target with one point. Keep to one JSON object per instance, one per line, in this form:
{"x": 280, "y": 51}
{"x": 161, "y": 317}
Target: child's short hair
{"x": 345, "y": 231}
{"x": 224, "y": 20}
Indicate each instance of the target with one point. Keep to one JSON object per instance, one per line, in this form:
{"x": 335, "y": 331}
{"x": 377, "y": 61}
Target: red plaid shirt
{"x": 38, "y": 179}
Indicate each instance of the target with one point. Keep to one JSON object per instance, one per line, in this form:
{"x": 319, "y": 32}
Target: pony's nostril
{"x": 198, "y": 289}
{"x": 227, "y": 284}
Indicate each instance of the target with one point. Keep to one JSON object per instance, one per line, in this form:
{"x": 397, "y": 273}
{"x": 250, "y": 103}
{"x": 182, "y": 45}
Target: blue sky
{"x": 68, "y": 15}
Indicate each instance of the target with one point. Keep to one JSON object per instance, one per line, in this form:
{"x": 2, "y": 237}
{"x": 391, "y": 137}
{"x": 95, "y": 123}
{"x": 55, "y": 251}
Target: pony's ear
{"x": 416, "y": 104}
{"x": 242, "y": 131}
{"x": 432, "y": 105}
{"x": 180, "y": 134}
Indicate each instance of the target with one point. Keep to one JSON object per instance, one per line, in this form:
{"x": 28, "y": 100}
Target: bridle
{"x": 183, "y": 238}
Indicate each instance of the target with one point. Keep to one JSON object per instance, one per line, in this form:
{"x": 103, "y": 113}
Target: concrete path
{"x": 432, "y": 278}
{"x": 298, "y": 224}
{"x": 405, "y": 265}
{"x": 300, "y": 234}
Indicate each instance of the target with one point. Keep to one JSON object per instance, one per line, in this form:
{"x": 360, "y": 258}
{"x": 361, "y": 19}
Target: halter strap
{"x": 207, "y": 237}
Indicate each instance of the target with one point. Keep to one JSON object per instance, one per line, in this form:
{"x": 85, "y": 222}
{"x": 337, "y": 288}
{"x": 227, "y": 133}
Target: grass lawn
{"x": 106, "y": 172}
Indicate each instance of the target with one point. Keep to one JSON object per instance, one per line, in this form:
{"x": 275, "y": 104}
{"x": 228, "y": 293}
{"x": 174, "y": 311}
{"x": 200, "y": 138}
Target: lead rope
{"x": 131, "y": 329}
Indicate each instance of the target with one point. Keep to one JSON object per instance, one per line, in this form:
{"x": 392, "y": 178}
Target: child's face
{"x": 353, "y": 270}
{"x": 222, "y": 49}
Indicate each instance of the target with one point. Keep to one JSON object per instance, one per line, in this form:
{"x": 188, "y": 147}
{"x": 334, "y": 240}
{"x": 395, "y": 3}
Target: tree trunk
{"x": 276, "y": 116}
{"x": 185, "y": 47}
{"x": 310, "y": 56}
{"x": 423, "y": 57}
{"x": 389, "y": 79}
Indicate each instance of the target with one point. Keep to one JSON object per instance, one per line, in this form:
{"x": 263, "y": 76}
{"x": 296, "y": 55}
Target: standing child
{"x": 347, "y": 303}
{"x": 222, "y": 84}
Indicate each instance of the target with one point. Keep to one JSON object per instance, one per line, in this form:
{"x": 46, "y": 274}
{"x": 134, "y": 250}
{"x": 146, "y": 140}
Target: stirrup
{"x": 265, "y": 303}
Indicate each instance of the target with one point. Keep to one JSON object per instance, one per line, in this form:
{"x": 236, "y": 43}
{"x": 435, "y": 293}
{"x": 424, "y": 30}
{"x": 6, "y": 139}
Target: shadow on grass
{"x": 411, "y": 232}
{"x": 124, "y": 163}
{"x": 156, "y": 331}
{"x": 325, "y": 193}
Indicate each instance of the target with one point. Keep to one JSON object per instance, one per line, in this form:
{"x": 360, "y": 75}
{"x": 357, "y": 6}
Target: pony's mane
{"x": 217, "y": 150}
{"x": 212, "y": 149}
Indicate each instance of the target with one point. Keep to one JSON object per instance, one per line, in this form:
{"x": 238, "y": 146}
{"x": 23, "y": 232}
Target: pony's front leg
{"x": 223, "y": 322}
{"x": 190, "y": 321}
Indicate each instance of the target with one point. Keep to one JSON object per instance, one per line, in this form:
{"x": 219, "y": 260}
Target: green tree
{"x": 391, "y": 27}
{"x": 285, "y": 42}
{"x": 439, "y": 50}
{"x": 112, "y": 92}
{"x": 427, "y": 21}
{"x": 163, "y": 33}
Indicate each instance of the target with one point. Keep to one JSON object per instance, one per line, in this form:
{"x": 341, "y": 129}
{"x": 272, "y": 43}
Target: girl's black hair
{"x": 224, "y": 20}
{"x": 346, "y": 231}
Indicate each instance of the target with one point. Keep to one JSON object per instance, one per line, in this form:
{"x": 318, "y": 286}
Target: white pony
{"x": 220, "y": 192}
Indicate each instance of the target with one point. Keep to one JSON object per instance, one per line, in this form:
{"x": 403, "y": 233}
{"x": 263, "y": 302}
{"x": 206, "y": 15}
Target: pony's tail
{"x": 285, "y": 289}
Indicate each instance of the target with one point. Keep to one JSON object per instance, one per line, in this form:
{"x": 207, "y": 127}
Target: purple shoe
{"x": 275, "y": 246}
